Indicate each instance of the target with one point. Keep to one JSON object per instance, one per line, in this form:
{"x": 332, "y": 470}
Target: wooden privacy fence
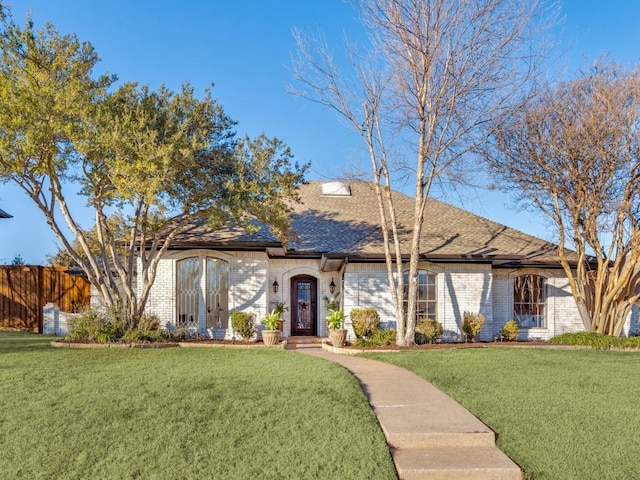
{"x": 24, "y": 291}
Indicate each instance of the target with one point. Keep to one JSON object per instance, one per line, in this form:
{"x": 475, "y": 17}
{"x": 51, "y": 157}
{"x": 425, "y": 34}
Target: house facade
{"x": 468, "y": 263}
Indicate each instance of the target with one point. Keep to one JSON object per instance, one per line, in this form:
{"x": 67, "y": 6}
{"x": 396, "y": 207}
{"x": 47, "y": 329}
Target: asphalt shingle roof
{"x": 349, "y": 226}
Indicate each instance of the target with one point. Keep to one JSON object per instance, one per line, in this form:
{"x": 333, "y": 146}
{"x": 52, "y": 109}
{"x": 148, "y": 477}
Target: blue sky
{"x": 244, "y": 47}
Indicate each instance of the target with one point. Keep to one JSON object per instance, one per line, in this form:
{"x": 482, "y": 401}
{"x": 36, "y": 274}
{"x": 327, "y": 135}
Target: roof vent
{"x": 336, "y": 189}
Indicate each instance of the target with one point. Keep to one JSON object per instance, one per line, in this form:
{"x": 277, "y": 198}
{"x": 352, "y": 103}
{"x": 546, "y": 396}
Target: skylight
{"x": 336, "y": 189}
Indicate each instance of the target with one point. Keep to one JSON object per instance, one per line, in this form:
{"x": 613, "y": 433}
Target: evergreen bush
{"x": 510, "y": 331}
{"x": 472, "y": 323}
{"x": 428, "y": 331}
{"x": 243, "y": 324}
{"x": 365, "y": 322}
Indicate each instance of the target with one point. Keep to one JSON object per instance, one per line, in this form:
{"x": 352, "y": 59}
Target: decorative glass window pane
{"x": 188, "y": 292}
{"x": 529, "y": 298}
{"x": 303, "y": 306}
{"x": 217, "y": 293}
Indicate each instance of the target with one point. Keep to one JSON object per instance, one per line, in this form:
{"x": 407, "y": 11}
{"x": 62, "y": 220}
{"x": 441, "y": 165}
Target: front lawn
{"x": 182, "y": 413}
{"x": 558, "y": 414}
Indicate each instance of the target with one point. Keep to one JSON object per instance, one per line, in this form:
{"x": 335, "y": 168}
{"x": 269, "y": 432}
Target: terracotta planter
{"x": 338, "y": 337}
{"x": 280, "y": 325}
{"x": 271, "y": 337}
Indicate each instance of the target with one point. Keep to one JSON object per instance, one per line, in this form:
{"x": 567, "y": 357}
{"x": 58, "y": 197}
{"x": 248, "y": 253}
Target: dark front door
{"x": 303, "y": 302}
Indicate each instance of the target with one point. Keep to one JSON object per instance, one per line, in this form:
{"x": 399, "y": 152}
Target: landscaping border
{"x": 79, "y": 345}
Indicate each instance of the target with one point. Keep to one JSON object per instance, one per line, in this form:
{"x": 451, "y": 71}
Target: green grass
{"x": 181, "y": 413}
{"x": 559, "y": 414}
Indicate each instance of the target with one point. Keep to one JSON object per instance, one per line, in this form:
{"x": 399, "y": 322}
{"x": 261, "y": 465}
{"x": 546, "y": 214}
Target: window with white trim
{"x": 529, "y": 301}
{"x": 426, "y": 306}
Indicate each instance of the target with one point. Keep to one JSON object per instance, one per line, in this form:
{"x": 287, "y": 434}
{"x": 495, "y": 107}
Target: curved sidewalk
{"x": 430, "y": 435}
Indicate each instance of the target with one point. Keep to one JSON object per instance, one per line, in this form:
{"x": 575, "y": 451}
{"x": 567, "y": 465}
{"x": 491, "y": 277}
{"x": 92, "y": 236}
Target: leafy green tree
{"x": 148, "y": 162}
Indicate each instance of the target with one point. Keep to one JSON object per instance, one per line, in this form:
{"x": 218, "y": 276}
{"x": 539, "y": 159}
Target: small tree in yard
{"x": 573, "y": 153}
{"x": 472, "y": 324}
{"x": 148, "y": 162}
{"x": 437, "y": 72}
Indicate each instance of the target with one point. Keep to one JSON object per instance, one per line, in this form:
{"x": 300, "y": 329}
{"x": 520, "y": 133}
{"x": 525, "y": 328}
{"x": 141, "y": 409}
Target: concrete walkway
{"x": 430, "y": 435}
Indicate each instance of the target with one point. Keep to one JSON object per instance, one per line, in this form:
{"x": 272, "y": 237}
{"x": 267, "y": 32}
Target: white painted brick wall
{"x": 367, "y": 285}
{"x": 283, "y": 270}
{"x": 561, "y": 311}
{"x": 460, "y": 288}
{"x": 55, "y": 321}
{"x": 247, "y": 285}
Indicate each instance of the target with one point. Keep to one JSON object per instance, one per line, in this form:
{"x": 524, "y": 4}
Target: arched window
{"x": 188, "y": 292}
{"x": 427, "y": 304}
{"x": 529, "y": 299}
{"x": 217, "y": 293}
{"x": 196, "y": 299}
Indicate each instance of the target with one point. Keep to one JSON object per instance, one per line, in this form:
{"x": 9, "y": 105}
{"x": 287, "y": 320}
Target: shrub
{"x": 381, "y": 338}
{"x": 243, "y": 324}
{"x": 365, "y": 322}
{"x": 149, "y": 323}
{"x": 148, "y": 331}
{"x": 385, "y": 337}
{"x": 428, "y": 331}
{"x": 179, "y": 334}
{"x": 510, "y": 330}
{"x": 108, "y": 333}
{"x": 83, "y": 327}
{"x": 137, "y": 335}
{"x": 595, "y": 340}
{"x": 132, "y": 336}
{"x": 102, "y": 325}
{"x": 472, "y": 323}
{"x": 630, "y": 342}
{"x": 95, "y": 325}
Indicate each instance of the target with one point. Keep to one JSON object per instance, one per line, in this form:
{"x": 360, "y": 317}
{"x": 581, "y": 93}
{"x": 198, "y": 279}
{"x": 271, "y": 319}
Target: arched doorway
{"x": 304, "y": 305}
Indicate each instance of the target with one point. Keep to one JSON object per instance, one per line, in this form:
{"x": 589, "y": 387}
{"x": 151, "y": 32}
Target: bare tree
{"x": 437, "y": 72}
{"x": 573, "y": 154}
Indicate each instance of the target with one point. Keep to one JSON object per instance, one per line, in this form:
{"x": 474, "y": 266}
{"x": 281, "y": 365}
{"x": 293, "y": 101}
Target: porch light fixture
{"x": 332, "y": 286}
{"x": 275, "y": 286}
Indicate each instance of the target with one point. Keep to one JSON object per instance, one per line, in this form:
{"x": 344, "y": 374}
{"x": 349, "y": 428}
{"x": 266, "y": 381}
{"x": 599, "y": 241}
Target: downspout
{"x": 341, "y": 273}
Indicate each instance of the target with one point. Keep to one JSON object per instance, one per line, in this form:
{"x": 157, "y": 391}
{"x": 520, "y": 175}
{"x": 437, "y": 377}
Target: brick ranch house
{"x": 468, "y": 263}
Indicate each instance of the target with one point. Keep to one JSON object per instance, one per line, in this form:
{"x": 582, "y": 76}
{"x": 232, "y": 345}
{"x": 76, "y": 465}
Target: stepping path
{"x": 430, "y": 435}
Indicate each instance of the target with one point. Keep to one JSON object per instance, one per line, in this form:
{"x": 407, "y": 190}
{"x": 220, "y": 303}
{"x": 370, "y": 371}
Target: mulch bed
{"x": 63, "y": 344}
{"x": 445, "y": 346}
{"x": 352, "y": 348}
{"x": 184, "y": 343}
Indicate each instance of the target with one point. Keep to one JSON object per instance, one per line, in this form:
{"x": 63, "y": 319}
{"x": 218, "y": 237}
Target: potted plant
{"x": 271, "y": 335}
{"x": 335, "y": 323}
{"x": 332, "y": 301}
{"x": 280, "y": 308}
